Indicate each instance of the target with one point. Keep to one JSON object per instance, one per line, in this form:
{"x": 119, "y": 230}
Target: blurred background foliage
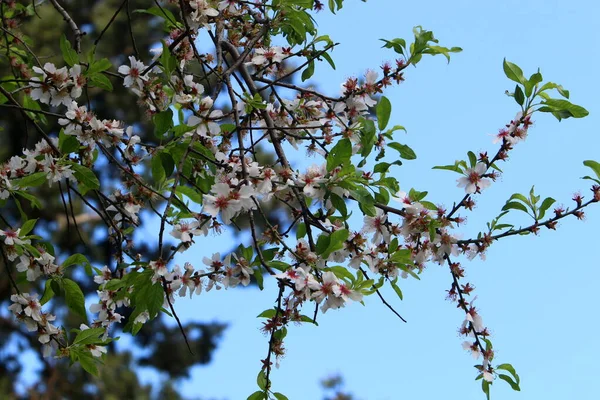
{"x": 168, "y": 354}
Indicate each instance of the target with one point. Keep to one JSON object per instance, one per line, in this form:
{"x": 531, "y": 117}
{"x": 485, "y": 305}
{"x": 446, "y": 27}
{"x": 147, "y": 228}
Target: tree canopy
{"x": 222, "y": 107}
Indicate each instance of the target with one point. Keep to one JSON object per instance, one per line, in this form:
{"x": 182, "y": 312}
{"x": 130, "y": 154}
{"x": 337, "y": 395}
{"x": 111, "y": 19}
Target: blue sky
{"x": 536, "y": 294}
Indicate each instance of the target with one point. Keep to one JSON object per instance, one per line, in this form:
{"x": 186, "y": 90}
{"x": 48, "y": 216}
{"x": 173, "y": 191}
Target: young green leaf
{"x": 74, "y": 297}
{"x": 513, "y": 72}
{"x": 383, "y": 111}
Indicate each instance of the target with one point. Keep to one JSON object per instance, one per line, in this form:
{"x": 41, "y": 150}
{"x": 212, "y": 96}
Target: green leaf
{"x": 48, "y": 292}
{"x": 67, "y": 143}
{"x": 485, "y": 387}
{"x": 339, "y": 155}
{"x": 75, "y": 259}
{"x": 513, "y": 72}
{"x": 546, "y": 204}
{"x": 509, "y": 380}
{"x": 154, "y": 297}
{"x": 367, "y": 137}
{"x": 405, "y": 152}
{"x": 398, "y": 45}
{"x": 35, "y": 179}
{"x": 519, "y": 96}
{"x": 99, "y": 66}
{"x": 534, "y": 80}
{"x": 514, "y": 205}
{"x": 328, "y": 58}
{"x": 342, "y": 273}
{"x": 190, "y": 193}
{"x": 74, "y": 297}
{"x": 511, "y": 369}
{"x": 383, "y": 167}
{"x": 397, "y": 289}
{"x": 383, "y": 111}
{"x": 258, "y": 276}
{"x": 309, "y": 71}
{"x": 88, "y": 363}
{"x": 101, "y": 81}
{"x": 301, "y": 230}
{"x": 280, "y": 396}
{"x": 456, "y": 167}
{"x": 34, "y": 201}
{"x": 339, "y": 204}
{"x": 89, "y": 336}
{"x": 261, "y": 380}
{"x": 27, "y": 227}
{"x": 163, "y": 13}
{"x": 85, "y": 176}
{"x": 158, "y": 171}
{"x": 69, "y": 54}
{"x": 595, "y": 166}
{"x": 336, "y": 241}
{"x": 278, "y": 265}
{"x": 551, "y": 85}
{"x": 258, "y": 395}
{"x": 167, "y": 60}
{"x": 163, "y": 121}
{"x": 566, "y": 108}
{"x": 270, "y": 313}
{"x": 472, "y": 158}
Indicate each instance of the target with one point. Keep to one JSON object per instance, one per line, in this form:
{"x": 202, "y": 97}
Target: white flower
{"x": 12, "y": 238}
{"x": 230, "y": 5}
{"x": 104, "y": 277}
{"x": 202, "y": 10}
{"x": 222, "y": 202}
{"x": 377, "y": 224}
{"x": 56, "y": 172}
{"x": 78, "y": 81}
{"x": 96, "y": 351}
{"x": 264, "y": 56}
{"x": 159, "y": 267}
{"x": 27, "y": 264}
{"x": 184, "y": 231}
{"x": 472, "y": 181}
{"x": 133, "y": 73}
{"x": 142, "y": 318}
{"x": 327, "y": 288}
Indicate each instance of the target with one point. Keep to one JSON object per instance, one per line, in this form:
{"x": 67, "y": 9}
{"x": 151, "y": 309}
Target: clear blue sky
{"x": 536, "y": 294}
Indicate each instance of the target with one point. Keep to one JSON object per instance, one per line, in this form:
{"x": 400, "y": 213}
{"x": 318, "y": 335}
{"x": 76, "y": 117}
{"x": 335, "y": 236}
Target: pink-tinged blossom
{"x": 105, "y": 276}
{"x": 377, "y": 224}
{"x": 188, "y": 283}
{"x": 78, "y": 81}
{"x": 29, "y": 305}
{"x": 142, "y": 318}
{"x": 185, "y": 231}
{"x": 264, "y": 56}
{"x": 215, "y": 264}
{"x": 222, "y": 202}
{"x": 159, "y": 267}
{"x": 12, "y": 238}
{"x": 473, "y": 348}
{"x": 56, "y": 171}
{"x": 327, "y": 287}
{"x": 133, "y": 73}
{"x": 473, "y": 182}
{"x": 29, "y": 265}
{"x": 229, "y": 5}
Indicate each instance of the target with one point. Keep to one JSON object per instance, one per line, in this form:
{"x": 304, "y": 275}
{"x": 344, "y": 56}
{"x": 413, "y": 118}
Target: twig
{"x": 78, "y": 34}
